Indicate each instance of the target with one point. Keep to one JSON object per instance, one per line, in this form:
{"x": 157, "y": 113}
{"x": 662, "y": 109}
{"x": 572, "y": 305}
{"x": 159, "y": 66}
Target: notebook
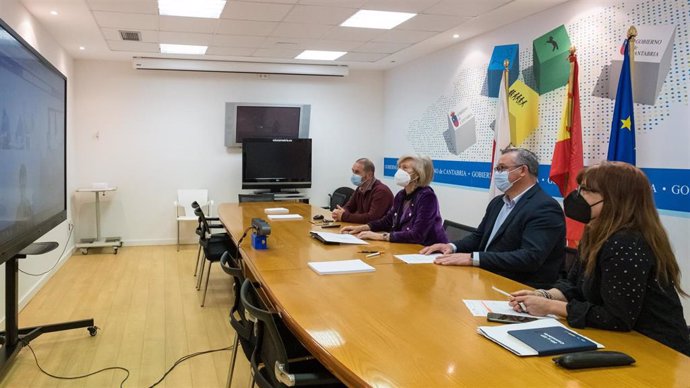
{"x": 276, "y": 210}
{"x": 278, "y": 217}
{"x": 340, "y": 267}
{"x": 553, "y": 340}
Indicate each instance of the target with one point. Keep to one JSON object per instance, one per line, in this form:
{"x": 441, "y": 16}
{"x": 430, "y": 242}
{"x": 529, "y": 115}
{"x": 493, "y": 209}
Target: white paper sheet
{"x": 340, "y": 267}
{"x": 418, "y": 259}
{"x": 340, "y": 238}
{"x": 279, "y": 217}
{"x": 276, "y": 210}
{"x": 479, "y": 308}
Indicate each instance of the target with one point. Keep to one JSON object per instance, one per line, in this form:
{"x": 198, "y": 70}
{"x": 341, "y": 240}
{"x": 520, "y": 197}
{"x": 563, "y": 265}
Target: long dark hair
{"x": 628, "y": 204}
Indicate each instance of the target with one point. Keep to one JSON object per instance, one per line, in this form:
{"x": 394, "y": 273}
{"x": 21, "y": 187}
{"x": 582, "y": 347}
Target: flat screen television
{"x": 276, "y": 164}
{"x": 33, "y": 197}
{"x": 269, "y": 121}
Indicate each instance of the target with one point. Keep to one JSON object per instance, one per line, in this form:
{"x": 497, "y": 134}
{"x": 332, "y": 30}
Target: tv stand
{"x": 13, "y": 339}
{"x": 286, "y": 195}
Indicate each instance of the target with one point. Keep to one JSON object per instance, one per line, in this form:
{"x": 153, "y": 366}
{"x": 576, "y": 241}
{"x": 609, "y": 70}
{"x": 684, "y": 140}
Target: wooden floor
{"x": 146, "y": 305}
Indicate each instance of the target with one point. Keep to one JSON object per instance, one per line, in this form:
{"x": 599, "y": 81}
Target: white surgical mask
{"x": 356, "y": 179}
{"x": 502, "y": 181}
{"x": 402, "y": 178}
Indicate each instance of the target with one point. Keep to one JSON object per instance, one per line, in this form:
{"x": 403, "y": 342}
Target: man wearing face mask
{"x": 371, "y": 199}
{"x": 415, "y": 216}
{"x": 522, "y": 234}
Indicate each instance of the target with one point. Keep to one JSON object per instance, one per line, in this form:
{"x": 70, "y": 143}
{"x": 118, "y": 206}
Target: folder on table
{"x": 337, "y": 238}
{"x": 279, "y": 217}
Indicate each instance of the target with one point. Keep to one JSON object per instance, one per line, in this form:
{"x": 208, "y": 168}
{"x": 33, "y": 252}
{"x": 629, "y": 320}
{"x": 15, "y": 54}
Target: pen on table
{"x": 372, "y": 254}
{"x": 368, "y": 251}
{"x": 522, "y": 305}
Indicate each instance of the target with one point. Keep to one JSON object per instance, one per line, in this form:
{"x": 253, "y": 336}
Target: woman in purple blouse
{"x": 415, "y": 217}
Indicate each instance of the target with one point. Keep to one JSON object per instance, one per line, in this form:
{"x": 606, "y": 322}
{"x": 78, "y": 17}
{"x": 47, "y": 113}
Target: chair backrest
{"x": 263, "y": 197}
{"x": 186, "y": 197}
{"x": 456, "y": 231}
{"x": 340, "y": 197}
{"x": 238, "y": 320}
{"x": 569, "y": 261}
{"x": 270, "y": 347}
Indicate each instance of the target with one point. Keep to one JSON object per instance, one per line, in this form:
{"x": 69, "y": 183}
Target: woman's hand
{"x": 536, "y": 305}
{"x": 354, "y": 229}
{"x": 369, "y": 235}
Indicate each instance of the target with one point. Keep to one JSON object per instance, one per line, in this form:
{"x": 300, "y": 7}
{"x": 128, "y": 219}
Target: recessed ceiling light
{"x": 321, "y": 55}
{"x": 54, "y": 13}
{"x": 456, "y": 36}
{"x": 377, "y": 19}
{"x": 82, "y": 48}
{"x": 182, "y": 49}
{"x": 193, "y": 9}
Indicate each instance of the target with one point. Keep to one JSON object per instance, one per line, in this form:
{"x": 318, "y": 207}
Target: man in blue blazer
{"x": 522, "y": 234}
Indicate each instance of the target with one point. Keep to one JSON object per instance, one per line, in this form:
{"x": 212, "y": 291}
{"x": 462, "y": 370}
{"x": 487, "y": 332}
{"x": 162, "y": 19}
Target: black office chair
{"x": 213, "y": 247}
{"x": 279, "y": 360}
{"x": 214, "y": 225}
{"x": 244, "y": 328}
{"x": 456, "y": 231}
{"x": 262, "y": 197}
{"x": 569, "y": 261}
{"x": 340, "y": 197}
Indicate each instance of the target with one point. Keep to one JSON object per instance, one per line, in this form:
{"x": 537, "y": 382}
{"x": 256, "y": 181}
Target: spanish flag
{"x": 567, "y": 154}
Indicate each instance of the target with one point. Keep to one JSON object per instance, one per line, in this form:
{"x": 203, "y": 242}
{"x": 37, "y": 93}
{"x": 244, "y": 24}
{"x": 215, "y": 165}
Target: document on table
{"x": 338, "y": 238}
{"x": 278, "y": 217}
{"x": 418, "y": 258}
{"x": 340, "y": 267}
{"x": 276, "y": 210}
{"x": 479, "y": 308}
{"x": 500, "y": 335}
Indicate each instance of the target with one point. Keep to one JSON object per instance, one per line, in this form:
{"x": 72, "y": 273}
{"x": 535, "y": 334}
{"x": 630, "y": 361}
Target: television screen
{"x": 276, "y": 164}
{"x": 249, "y": 120}
{"x": 32, "y": 144}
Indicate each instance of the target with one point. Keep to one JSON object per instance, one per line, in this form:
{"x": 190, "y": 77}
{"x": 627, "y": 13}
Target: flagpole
{"x": 569, "y": 114}
{"x": 506, "y": 63}
{"x": 632, "y": 33}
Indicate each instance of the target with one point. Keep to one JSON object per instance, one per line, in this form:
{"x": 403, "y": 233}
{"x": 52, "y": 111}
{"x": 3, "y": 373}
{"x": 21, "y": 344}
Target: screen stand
{"x": 13, "y": 339}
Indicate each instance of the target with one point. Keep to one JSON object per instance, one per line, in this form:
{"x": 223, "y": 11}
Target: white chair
{"x": 183, "y": 207}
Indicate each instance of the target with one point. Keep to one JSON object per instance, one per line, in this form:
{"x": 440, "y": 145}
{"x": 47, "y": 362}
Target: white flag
{"x": 501, "y": 132}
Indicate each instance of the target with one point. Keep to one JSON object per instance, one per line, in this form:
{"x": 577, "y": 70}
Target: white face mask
{"x": 402, "y": 178}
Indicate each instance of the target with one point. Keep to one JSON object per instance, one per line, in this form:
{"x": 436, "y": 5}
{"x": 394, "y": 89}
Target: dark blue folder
{"x": 553, "y": 340}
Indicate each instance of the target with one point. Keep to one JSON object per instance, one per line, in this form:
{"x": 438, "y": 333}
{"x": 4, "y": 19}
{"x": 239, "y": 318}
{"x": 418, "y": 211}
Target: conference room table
{"x": 406, "y": 325}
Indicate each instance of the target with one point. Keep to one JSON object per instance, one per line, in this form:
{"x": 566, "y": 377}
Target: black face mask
{"x": 577, "y": 208}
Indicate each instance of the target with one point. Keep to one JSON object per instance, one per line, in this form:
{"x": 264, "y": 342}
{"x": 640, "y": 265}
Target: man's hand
{"x": 369, "y": 235}
{"x": 440, "y": 247}
{"x": 337, "y": 213}
{"x": 454, "y": 259}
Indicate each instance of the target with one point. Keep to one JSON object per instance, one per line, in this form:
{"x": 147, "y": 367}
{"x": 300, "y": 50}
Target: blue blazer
{"x": 529, "y": 247}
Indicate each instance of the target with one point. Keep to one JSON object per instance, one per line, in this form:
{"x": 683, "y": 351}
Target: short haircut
{"x": 422, "y": 166}
{"x": 367, "y": 165}
{"x": 525, "y": 157}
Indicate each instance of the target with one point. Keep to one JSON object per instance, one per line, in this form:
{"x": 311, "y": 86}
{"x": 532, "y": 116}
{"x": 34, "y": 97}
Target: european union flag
{"x": 622, "y": 141}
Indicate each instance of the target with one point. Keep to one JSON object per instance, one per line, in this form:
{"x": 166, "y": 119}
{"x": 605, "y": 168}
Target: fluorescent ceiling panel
{"x": 194, "y": 9}
{"x": 182, "y": 49}
{"x": 321, "y": 55}
{"x": 383, "y": 20}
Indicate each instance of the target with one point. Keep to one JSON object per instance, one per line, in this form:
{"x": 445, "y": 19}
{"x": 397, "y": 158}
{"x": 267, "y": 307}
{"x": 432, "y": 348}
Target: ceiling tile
{"x": 362, "y": 57}
{"x": 245, "y": 27}
{"x": 121, "y": 20}
{"x": 334, "y": 45}
{"x": 301, "y": 30}
{"x": 129, "y": 6}
{"x": 185, "y": 38}
{"x": 114, "y": 34}
{"x": 241, "y": 10}
{"x": 274, "y": 1}
{"x": 381, "y": 47}
{"x": 141, "y": 47}
{"x": 287, "y": 43}
{"x": 405, "y": 36}
{"x": 277, "y": 53}
{"x": 324, "y": 15}
{"x": 414, "y": 6}
{"x": 237, "y": 41}
{"x": 184, "y": 24}
{"x": 230, "y": 51}
{"x": 467, "y": 8}
{"x": 335, "y": 3}
{"x": 354, "y": 34}
{"x": 436, "y": 23}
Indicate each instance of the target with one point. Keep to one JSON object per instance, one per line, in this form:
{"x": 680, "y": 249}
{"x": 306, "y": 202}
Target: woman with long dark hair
{"x": 627, "y": 277}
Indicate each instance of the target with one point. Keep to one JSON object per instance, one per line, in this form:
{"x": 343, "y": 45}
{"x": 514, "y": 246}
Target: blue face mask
{"x": 502, "y": 181}
{"x": 356, "y": 179}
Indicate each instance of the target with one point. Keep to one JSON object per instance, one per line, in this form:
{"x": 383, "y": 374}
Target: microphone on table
{"x": 260, "y": 235}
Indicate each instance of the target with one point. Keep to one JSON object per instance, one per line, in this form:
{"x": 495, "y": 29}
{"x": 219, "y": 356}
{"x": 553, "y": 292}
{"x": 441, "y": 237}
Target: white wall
{"x": 416, "y": 88}
{"x": 14, "y": 14}
{"x": 153, "y": 132}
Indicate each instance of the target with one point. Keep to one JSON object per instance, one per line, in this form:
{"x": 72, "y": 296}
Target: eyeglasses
{"x": 501, "y": 168}
{"x": 582, "y": 187}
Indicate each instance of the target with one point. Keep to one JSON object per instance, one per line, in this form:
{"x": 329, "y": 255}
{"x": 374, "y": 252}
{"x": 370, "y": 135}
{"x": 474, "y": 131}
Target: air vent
{"x": 131, "y": 35}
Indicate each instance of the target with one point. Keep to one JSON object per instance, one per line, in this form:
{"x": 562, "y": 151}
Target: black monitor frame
{"x": 274, "y": 184}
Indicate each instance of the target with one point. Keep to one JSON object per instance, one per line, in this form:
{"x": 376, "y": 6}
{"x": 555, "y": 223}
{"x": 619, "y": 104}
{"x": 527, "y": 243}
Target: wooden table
{"x": 406, "y": 325}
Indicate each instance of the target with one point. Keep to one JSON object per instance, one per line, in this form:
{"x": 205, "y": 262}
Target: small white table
{"x": 98, "y": 242}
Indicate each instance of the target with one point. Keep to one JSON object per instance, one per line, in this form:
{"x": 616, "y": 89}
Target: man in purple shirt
{"x": 370, "y": 201}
